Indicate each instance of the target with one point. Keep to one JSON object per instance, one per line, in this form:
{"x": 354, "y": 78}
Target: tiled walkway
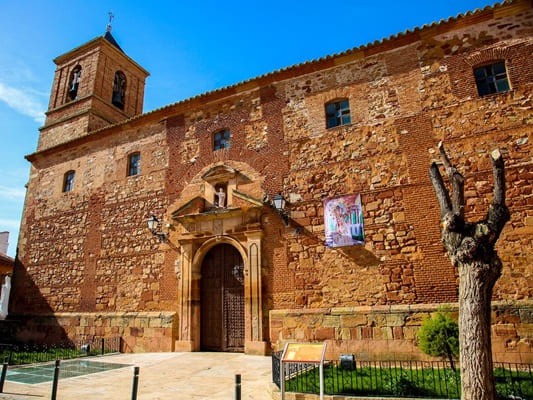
{"x": 162, "y": 376}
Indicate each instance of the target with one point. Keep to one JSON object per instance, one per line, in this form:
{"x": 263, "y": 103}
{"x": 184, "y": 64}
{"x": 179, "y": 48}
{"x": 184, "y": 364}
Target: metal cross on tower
{"x": 111, "y": 16}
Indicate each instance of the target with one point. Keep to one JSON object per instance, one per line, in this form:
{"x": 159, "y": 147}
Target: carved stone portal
{"x": 195, "y": 244}
{"x": 202, "y": 219}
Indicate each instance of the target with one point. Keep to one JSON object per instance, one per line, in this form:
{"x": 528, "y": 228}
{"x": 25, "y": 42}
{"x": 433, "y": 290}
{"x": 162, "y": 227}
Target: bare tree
{"x": 470, "y": 246}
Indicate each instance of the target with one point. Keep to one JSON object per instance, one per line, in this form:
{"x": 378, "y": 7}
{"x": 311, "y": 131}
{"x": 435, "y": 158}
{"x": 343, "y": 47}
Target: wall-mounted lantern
{"x": 153, "y": 222}
{"x": 279, "y": 203}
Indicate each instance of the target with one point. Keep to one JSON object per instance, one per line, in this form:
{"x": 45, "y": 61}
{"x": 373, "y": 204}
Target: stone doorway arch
{"x": 222, "y": 300}
{"x": 193, "y": 252}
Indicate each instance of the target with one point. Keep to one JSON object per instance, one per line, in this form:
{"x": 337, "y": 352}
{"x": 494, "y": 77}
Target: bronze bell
{"x": 117, "y": 100}
{"x": 73, "y": 91}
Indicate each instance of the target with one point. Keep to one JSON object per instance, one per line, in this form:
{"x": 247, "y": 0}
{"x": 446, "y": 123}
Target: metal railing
{"x": 429, "y": 379}
{"x": 31, "y": 353}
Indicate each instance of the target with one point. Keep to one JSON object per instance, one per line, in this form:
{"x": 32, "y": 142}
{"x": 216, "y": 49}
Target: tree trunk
{"x": 475, "y": 353}
{"x": 470, "y": 247}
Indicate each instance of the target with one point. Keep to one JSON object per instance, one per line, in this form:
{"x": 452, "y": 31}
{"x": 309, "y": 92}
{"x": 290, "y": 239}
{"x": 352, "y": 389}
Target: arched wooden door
{"x": 222, "y": 300}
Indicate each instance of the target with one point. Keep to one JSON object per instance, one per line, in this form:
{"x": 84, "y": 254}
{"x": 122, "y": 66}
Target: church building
{"x": 294, "y": 206}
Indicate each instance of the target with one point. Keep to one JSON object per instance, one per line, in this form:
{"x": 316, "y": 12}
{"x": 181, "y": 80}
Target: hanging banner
{"x": 343, "y": 221}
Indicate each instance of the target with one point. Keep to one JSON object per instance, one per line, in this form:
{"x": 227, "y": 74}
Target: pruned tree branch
{"x": 457, "y": 181}
{"x": 442, "y": 194}
{"x": 498, "y": 171}
{"x": 498, "y": 213}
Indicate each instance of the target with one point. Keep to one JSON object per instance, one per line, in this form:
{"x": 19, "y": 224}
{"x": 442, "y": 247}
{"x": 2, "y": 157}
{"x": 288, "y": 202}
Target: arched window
{"x": 119, "y": 90}
{"x": 338, "y": 113}
{"x": 74, "y": 83}
{"x": 68, "y": 181}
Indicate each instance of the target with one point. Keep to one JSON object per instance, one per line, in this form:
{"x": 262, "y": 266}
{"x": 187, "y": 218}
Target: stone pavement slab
{"x": 162, "y": 376}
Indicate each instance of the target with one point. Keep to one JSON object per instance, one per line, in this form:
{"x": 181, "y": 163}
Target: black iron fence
{"x": 31, "y": 353}
{"x": 398, "y": 378}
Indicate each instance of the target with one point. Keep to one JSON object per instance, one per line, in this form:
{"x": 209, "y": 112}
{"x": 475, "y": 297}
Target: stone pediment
{"x": 223, "y": 173}
{"x": 194, "y": 206}
{"x": 216, "y": 222}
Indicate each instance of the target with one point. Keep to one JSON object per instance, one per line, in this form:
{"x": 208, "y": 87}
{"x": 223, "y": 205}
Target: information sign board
{"x": 307, "y": 353}
{"x": 304, "y": 352}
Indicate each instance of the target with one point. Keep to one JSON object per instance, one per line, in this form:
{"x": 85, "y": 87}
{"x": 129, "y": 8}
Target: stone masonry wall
{"x": 140, "y": 331}
{"x": 402, "y": 102}
{"x": 390, "y": 332}
{"x": 90, "y": 248}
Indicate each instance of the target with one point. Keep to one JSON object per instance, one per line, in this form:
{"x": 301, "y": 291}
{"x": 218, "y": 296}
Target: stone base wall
{"x": 140, "y": 331}
{"x": 390, "y": 332}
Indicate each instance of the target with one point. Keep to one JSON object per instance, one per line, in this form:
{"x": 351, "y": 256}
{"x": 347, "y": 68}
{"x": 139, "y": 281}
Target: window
{"x": 68, "y": 181}
{"x": 134, "y": 164}
{"x": 74, "y": 83}
{"x": 119, "y": 90}
{"x": 338, "y": 113}
{"x": 491, "y": 79}
{"x": 221, "y": 140}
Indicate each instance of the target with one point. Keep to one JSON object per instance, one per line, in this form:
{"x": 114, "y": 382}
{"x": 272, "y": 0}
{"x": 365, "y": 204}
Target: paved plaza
{"x": 162, "y": 376}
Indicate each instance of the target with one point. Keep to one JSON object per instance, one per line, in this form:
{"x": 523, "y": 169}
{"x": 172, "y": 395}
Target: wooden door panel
{"x": 211, "y": 304}
{"x": 234, "y": 302}
{"x": 222, "y": 300}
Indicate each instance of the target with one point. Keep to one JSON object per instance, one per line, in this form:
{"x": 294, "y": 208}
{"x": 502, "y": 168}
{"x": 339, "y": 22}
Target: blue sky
{"x": 188, "y": 47}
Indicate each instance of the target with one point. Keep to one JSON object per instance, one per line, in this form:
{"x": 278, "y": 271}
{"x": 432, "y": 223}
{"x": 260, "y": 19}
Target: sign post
{"x": 309, "y": 353}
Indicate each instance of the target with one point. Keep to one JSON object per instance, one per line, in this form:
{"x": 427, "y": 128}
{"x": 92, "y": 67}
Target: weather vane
{"x": 111, "y": 16}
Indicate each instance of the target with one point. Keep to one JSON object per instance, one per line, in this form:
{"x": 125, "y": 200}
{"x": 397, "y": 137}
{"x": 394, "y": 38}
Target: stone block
{"x": 396, "y": 319}
{"x": 331, "y": 321}
{"x": 324, "y": 333}
{"x": 351, "y": 321}
{"x": 504, "y": 330}
{"x": 383, "y": 333}
{"x": 526, "y": 315}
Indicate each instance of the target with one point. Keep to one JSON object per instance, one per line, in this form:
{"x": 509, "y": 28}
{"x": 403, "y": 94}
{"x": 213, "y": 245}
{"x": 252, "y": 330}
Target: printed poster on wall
{"x": 343, "y": 220}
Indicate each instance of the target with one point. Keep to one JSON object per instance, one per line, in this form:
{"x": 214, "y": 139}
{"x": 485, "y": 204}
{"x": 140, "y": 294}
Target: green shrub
{"x": 439, "y": 337}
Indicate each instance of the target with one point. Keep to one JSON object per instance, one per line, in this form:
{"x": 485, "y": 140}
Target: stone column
{"x": 254, "y": 343}
{"x": 188, "y": 298}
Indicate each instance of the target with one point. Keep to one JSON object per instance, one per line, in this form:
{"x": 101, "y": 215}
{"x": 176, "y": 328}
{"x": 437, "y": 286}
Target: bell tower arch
{"x": 86, "y": 88}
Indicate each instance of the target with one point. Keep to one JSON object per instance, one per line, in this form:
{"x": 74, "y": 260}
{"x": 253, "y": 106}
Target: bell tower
{"x": 95, "y": 85}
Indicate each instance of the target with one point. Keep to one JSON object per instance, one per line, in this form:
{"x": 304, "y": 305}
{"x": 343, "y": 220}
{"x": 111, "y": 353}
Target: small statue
{"x": 221, "y": 198}
{"x": 4, "y": 298}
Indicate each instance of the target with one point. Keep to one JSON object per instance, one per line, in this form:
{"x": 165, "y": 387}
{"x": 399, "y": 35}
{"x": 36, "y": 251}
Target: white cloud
{"x": 10, "y": 193}
{"x": 25, "y": 102}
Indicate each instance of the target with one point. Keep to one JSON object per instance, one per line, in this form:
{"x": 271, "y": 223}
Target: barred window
{"x": 338, "y": 113}
{"x": 221, "y": 140}
{"x": 491, "y": 79}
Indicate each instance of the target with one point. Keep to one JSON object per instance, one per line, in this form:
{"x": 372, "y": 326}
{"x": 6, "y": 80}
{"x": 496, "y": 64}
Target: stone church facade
{"x": 229, "y": 272}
